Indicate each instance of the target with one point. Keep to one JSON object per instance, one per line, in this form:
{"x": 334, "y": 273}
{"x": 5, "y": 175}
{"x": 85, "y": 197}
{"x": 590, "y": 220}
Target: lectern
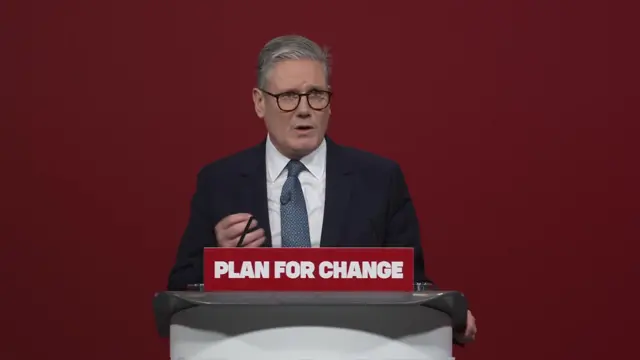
{"x": 260, "y": 325}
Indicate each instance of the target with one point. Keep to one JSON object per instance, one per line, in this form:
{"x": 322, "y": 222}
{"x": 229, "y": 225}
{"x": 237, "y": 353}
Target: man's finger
{"x": 470, "y": 333}
{"x": 256, "y": 243}
{"x": 234, "y": 219}
{"x": 250, "y": 237}
{"x": 235, "y": 230}
{"x": 470, "y": 329}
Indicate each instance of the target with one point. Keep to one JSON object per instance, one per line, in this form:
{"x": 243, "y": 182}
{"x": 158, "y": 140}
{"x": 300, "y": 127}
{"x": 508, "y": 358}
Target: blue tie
{"x": 293, "y": 209}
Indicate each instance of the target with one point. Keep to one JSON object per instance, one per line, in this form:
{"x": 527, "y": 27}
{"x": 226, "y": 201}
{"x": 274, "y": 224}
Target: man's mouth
{"x": 303, "y": 127}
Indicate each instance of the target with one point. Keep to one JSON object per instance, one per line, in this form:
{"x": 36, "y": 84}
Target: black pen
{"x": 245, "y": 232}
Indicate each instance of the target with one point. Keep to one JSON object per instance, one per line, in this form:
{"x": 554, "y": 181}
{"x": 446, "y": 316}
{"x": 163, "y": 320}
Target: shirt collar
{"x": 315, "y": 162}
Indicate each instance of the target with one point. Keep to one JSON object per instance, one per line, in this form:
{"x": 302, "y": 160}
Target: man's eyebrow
{"x": 290, "y": 90}
{"x": 296, "y": 91}
{"x": 317, "y": 88}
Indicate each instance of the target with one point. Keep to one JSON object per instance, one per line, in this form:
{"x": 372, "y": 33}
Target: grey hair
{"x": 290, "y": 47}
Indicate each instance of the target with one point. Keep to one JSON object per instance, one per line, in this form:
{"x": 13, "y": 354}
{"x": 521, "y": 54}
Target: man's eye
{"x": 317, "y": 94}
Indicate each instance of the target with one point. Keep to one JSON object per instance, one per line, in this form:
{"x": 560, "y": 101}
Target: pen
{"x": 245, "y": 232}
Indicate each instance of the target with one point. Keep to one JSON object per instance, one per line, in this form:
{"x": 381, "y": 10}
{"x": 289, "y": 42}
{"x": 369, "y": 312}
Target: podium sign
{"x": 308, "y": 269}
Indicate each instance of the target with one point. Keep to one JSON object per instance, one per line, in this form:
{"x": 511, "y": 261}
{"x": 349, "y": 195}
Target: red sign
{"x": 308, "y": 269}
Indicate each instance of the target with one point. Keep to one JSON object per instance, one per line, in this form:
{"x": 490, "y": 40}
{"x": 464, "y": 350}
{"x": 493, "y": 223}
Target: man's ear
{"x": 258, "y": 102}
{"x": 330, "y": 89}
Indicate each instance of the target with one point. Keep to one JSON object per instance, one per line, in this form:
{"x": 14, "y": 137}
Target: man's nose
{"x": 303, "y": 109}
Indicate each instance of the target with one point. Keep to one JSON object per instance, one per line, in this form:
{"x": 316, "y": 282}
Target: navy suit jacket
{"x": 367, "y": 204}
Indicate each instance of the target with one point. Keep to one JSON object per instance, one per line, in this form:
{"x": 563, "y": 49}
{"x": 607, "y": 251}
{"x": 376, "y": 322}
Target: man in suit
{"x": 303, "y": 189}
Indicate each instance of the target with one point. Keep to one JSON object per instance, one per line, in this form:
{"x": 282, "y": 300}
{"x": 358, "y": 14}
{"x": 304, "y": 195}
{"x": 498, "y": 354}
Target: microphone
{"x": 245, "y": 231}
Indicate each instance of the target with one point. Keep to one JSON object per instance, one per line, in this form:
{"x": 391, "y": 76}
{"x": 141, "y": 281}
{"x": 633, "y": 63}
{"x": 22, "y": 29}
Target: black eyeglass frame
{"x": 300, "y": 96}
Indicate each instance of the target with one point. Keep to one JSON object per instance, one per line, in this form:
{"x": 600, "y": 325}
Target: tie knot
{"x": 295, "y": 167}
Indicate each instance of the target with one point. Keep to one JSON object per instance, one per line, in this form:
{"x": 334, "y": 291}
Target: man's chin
{"x": 304, "y": 146}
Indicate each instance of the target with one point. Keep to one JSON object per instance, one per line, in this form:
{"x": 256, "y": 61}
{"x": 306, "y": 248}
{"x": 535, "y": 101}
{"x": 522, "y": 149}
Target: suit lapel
{"x": 338, "y": 189}
{"x": 254, "y": 188}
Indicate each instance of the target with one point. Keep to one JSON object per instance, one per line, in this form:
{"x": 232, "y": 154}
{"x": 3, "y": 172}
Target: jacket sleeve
{"x": 402, "y": 228}
{"x": 198, "y": 234}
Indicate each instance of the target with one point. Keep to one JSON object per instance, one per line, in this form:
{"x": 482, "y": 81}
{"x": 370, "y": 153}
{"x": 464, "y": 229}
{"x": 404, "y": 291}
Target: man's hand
{"x": 229, "y": 230}
{"x": 470, "y": 332}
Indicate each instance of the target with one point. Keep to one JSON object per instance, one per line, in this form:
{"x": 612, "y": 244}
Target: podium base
{"x": 310, "y": 332}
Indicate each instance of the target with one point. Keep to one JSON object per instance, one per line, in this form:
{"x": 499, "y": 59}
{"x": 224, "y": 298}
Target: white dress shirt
{"x": 313, "y": 186}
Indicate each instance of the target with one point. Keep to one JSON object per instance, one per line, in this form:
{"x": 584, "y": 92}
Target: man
{"x": 303, "y": 189}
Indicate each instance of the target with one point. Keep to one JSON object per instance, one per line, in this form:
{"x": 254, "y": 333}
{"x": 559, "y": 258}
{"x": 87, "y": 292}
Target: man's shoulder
{"x": 250, "y": 158}
{"x": 369, "y": 161}
{"x": 239, "y": 161}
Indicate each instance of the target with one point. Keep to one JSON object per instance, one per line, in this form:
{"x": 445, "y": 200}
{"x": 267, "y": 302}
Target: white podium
{"x": 310, "y": 325}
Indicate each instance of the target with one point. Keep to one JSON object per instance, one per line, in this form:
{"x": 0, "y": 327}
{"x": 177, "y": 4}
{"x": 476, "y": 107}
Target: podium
{"x": 260, "y": 325}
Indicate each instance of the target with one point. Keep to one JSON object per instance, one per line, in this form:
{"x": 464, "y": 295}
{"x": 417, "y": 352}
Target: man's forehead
{"x": 297, "y": 75}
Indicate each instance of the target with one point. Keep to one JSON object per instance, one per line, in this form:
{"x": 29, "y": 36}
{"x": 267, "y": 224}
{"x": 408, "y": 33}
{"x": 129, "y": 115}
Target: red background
{"x": 515, "y": 122}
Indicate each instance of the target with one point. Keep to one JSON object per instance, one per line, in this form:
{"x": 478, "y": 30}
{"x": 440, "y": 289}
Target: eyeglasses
{"x": 289, "y": 101}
